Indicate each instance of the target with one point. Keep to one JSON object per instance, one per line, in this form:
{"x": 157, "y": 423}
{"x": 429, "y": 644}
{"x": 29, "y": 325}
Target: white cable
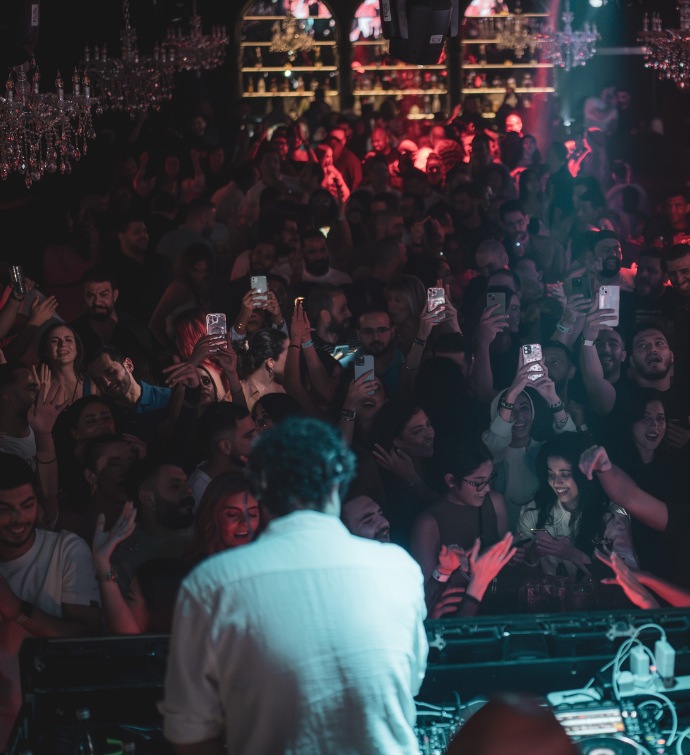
{"x": 679, "y": 741}
{"x": 674, "y": 715}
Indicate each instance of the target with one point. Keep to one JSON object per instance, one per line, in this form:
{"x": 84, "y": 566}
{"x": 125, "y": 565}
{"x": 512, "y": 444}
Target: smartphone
{"x": 609, "y": 298}
{"x": 579, "y": 285}
{"x": 531, "y": 354}
{"x": 496, "y": 297}
{"x": 534, "y": 531}
{"x": 260, "y": 286}
{"x": 299, "y": 300}
{"x": 17, "y": 280}
{"x": 523, "y": 541}
{"x": 216, "y": 324}
{"x": 364, "y": 363}
{"x": 435, "y": 299}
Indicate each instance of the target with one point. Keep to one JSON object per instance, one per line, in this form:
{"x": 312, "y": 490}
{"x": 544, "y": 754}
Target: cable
{"x": 679, "y": 741}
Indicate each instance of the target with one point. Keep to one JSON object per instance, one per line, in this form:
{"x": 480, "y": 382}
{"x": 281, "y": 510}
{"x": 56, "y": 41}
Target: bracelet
{"x": 559, "y": 424}
{"x": 50, "y": 461}
{"x": 555, "y": 408}
{"x": 503, "y": 404}
{"x": 293, "y": 346}
{"x": 26, "y": 611}
{"x": 471, "y": 598}
{"x": 348, "y": 414}
{"x": 563, "y": 328}
{"x": 307, "y": 344}
{"x": 108, "y": 576}
{"x": 583, "y": 428}
{"x": 420, "y": 341}
{"x": 279, "y": 324}
{"x": 440, "y": 576}
{"x": 239, "y": 326}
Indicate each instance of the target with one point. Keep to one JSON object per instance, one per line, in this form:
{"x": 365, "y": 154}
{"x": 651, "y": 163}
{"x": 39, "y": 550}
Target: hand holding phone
{"x": 259, "y": 285}
{"x": 609, "y": 298}
{"x": 531, "y": 354}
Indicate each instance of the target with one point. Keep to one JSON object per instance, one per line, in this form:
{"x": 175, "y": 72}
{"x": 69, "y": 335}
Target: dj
{"x": 310, "y": 639}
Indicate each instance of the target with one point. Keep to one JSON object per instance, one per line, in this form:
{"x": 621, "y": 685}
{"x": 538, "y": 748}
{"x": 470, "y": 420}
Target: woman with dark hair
{"x": 272, "y": 409}
{"x": 638, "y": 451}
{"x": 469, "y": 508}
{"x": 403, "y": 448}
{"x": 189, "y": 289}
{"x": 228, "y": 515}
{"x": 571, "y": 517}
{"x": 262, "y": 364}
{"x": 531, "y": 196}
{"x": 61, "y": 353}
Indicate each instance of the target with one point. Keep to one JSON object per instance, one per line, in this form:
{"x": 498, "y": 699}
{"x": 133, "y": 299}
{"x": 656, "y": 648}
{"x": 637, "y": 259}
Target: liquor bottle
{"x": 261, "y": 86}
{"x": 84, "y": 744}
{"x": 259, "y": 62}
{"x": 250, "y": 85}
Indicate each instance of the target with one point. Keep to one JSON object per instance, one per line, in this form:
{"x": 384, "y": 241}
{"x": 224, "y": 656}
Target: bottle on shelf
{"x": 250, "y": 85}
{"x": 259, "y": 62}
{"x": 261, "y": 86}
{"x": 84, "y": 742}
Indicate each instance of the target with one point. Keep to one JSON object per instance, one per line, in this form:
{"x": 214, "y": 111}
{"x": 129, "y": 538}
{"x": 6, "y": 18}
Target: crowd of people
{"x": 439, "y": 294}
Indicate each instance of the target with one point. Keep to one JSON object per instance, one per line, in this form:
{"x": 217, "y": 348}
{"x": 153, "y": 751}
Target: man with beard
{"x": 316, "y": 266}
{"x": 100, "y": 325}
{"x": 363, "y": 517}
{"x": 376, "y": 337}
{"x": 18, "y": 392}
{"x": 677, "y": 265}
{"x": 651, "y": 366}
{"x": 165, "y": 516}
{"x": 330, "y": 317}
{"x": 608, "y": 262}
{"x": 519, "y": 242}
{"x": 47, "y": 584}
{"x": 138, "y": 407}
{"x": 652, "y": 300}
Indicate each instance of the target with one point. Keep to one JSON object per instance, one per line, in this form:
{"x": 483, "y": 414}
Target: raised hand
{"x": 626, "y": 578}
{"x": 397, "y": 462}
{"x": 594, "y": 459}
{"x": 183, "y": 373}
{"x": 491, "y": 324}
{"x": 104, "y": 543}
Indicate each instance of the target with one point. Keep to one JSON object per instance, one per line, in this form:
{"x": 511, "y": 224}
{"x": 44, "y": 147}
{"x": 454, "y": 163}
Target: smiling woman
{"x": 61, "y": 350}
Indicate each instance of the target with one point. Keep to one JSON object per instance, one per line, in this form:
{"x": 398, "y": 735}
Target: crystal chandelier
{"x": 568, "y": 48}
{"x": 43, "y": 132}
{"x": 512, "y": 32}
{"x": 131, "y": 83}
{"x": 197, "y": 51}
{"x": 667, "y": 51}
{"x": 291, "y": 35}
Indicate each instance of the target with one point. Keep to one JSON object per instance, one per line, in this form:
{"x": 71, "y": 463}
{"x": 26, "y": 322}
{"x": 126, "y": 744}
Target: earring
{"x": 270, "y": 370}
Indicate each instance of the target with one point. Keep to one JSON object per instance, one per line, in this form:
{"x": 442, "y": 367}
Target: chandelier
{"x": 43, "y": 132}
{"x": 196, "y": 51}
{"x": 291, "y": 36}
{"x": 131, "y": 83}
{"x": 568, "y": 48}
{"x": 667, "y": 51}
{"x": 512, "y": 32}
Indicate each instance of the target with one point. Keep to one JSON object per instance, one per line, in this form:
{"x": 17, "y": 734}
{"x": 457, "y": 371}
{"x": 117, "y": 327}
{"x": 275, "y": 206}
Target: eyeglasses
{"x": 375, "y": 331}
{"x": 483, "y": 484}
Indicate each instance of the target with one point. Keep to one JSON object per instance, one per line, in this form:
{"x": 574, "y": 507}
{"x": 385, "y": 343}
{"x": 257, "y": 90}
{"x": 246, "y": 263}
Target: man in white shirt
{"x": 47, "y": 582}
{"x": 309, "y": 640}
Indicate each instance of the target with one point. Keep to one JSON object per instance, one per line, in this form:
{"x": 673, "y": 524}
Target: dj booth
{"x": 599, "y": 693}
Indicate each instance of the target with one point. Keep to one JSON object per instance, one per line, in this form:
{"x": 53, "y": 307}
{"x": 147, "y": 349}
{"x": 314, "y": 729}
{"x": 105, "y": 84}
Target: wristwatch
{"x": 587, "y": 342}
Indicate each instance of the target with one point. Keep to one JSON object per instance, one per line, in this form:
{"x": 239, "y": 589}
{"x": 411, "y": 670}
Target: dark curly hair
{"x": 588, "y": 522}
{"x": 297, "y": 464}
{"x": 267, "y": 343}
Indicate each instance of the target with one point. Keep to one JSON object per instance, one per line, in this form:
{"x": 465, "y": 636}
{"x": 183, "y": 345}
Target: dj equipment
{"x": 540, "y": 654}
{"x": 119, "y": 679}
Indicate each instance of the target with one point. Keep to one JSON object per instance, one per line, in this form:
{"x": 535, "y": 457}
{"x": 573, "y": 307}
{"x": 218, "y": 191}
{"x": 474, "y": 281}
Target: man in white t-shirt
{"x": 47, "y": 582}
{"x": 309, "y": 640}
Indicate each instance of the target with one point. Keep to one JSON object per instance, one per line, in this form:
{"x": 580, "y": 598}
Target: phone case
{"x": 436, "y": 298}
{"x": 364, "y": 363}
{"x": 499, "y": 298}
{"x": 609, "y": 298}
{"x": 216, "y": 324}
{"x": 532, "y": 354}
